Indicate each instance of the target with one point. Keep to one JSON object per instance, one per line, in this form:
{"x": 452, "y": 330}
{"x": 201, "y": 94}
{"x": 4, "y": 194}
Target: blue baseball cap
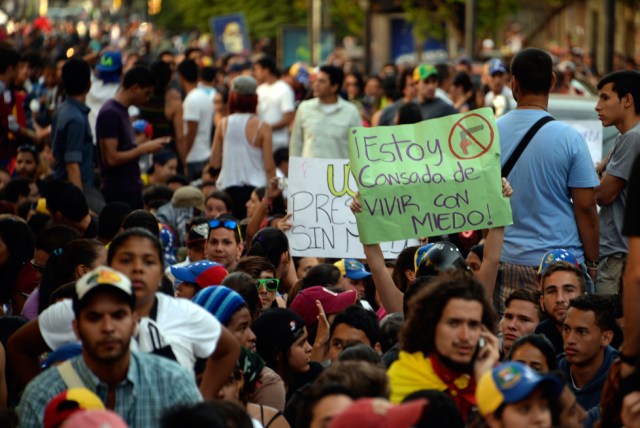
{"x": 204, "y": 273}
{"x": 511, "y": 382}
{"x": 557, "y": 255}
{"x": 352, "y": 269}
{"x": 110, "y": 62}
{"x": 497, "y": 67}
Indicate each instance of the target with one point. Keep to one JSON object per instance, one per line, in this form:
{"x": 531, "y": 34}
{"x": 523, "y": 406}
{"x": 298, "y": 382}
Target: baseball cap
{"x": 220, "y": 301}
{"x": 109, "y": 62}
{"x": 420, "y": 253}
{"x": 244, "y": 85}
{"x": 276, "y": 329}
{"x": 380, "y": 413}
{"x": 62, "y": 354}
{"x": 511, "y": 382}
{"x": 103, "y": 276}
{"x": 352, "y": 269}
{"x": 557, "y": 255}
{"x": 300, "y": 72}
{"x": 304, "y": 304}
{"x": 198, "y": 233}
{"x": 103, "y": 418}
{"x": 68, "y": 402}
{"x": 497, "y": 67}
{"x": 187, "y": 197}
{"x": 204, "y": 273}
{"x": 424, "y": 71}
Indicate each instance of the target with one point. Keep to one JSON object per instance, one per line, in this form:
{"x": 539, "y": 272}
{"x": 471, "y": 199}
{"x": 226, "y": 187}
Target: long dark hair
{"x": 18, "y": 239}
{"x": 61, "y": 267}
{"x": 269, "y": 243}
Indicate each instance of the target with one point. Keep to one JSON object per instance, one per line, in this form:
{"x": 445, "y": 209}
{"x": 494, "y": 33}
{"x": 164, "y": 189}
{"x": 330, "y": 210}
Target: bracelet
{"x": 630, "y": 360}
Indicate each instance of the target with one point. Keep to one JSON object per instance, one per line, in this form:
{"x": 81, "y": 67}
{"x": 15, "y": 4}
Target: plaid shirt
{"x": 153, "y": 384}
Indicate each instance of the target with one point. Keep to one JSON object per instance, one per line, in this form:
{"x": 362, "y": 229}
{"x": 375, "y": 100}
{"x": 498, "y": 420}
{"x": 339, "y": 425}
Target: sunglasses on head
{"x": 271, "y": 284}
{"x": 227, "y": 224}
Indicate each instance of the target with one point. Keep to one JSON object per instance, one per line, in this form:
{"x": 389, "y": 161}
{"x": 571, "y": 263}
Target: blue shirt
{"x": 556, "y": 160}
{"x": 153, "y": 384}
{"x": 72, "y": 141}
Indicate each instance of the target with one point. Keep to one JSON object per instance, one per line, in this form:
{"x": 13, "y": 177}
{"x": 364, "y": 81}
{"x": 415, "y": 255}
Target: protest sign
{"x": 431, "y": 178}
{"x": 591, "y": 131}
{"x": 320, "y": 191}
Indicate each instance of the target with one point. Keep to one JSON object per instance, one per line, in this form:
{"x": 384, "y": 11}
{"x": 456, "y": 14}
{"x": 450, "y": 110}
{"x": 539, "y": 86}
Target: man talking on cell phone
{"x": 447, "y": 341}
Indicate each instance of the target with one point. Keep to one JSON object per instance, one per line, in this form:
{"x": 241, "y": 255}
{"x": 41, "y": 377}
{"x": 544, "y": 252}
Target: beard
{"x": 456, "y": 366}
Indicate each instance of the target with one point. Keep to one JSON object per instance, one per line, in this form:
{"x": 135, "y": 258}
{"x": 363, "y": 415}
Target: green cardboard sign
{"x": 431, "y": 178}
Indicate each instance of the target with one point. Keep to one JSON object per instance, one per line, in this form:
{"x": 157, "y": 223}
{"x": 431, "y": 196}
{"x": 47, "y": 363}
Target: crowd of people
{"x": 147, "y": 278}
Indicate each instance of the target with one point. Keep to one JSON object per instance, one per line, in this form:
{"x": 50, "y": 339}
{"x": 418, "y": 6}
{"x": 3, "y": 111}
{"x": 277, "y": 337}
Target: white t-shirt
{"x": 190, "y": 330}
{"x": 197, "y": 107}
{"x": 274, "y": 100}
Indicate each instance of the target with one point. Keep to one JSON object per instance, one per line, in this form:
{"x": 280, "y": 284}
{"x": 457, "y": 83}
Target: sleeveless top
{"x": 242, "y": 162}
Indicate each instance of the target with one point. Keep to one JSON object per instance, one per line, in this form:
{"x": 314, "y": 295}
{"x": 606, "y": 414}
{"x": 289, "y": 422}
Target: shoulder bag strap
{"x": 70, "y": 375}
{"x": 508, "y": 166}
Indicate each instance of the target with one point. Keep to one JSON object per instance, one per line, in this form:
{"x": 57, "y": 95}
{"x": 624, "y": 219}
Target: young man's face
{"x": 427, "y": 88}
{"x": 497, "y": 83}
{"x": 458, "y": 330}
{"x": 409, "y": 91}
{"x": 105, "y": 326}
{"x": 583, "y": 340}
{"x": 533, "y": 411}
{"x": 557, "y": 290}
{"x": 520, "y": 318}
{"x": 344, "y": 335}
{"x": 240, "y": 326}
{"x": 142, "y": 94}
{"x": 222, "y": 247}
{"x": 355, "y": 284}
{"x": 609, "y": 107}
{"x": 322, "y": 87}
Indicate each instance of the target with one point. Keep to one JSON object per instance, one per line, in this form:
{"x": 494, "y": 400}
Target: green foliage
{"x": 264, "y": 18}
{"x": 347, "y": 18}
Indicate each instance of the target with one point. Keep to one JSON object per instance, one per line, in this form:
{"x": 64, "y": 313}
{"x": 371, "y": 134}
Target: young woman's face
{"x": 215, "y": 207}
{"x": 186, "y": 290}
{"x": 252, "y": 204}
{"x": 300, "y": 354}
{"x": 266, "y": 296}
{"x": 305, "y": 264}
{"x": 166, "y": 171}
{"x": 138, "y": 258}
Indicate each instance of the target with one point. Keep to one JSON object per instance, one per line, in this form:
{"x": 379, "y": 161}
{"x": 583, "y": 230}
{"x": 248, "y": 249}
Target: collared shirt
{"x": 320, "y": 134}
{"x": 72, "y": 141}
{"x": 152, "y": 385}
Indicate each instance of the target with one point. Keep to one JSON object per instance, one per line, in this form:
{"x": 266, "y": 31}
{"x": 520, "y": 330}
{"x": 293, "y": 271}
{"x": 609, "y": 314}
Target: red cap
{"x": 68, "y": 402}
{"x": 380, "y": 413}
{"x": 304, "y": 304}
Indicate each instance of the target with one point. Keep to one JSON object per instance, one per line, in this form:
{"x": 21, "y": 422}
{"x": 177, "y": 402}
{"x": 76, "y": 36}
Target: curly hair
{"x": 427, "y": 306}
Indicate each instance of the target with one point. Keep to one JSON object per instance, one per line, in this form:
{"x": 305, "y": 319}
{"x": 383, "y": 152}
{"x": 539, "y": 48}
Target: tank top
{"x": 242, "y": 162}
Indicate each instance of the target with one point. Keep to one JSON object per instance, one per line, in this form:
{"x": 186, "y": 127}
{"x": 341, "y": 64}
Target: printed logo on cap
{"x": 508, "y": 377}
{"x": 353, "y": 265}
{"x": 292, "y": 325}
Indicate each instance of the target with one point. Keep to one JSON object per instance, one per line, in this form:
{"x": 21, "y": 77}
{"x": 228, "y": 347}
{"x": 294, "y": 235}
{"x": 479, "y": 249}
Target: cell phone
{"x": 481, "y": 343}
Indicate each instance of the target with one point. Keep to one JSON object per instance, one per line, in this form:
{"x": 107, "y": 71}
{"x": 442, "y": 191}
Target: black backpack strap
{"x": 508, "y": 166}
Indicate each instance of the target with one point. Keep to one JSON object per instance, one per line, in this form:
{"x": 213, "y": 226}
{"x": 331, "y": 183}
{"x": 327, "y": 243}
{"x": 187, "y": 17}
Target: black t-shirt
{"x": 632, "y": 212}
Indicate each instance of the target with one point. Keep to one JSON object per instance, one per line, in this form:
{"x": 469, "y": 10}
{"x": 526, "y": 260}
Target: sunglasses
{"x": 227, "y": 224}
{"x": 271, "y": 284}
{"x": 38, "y": 268}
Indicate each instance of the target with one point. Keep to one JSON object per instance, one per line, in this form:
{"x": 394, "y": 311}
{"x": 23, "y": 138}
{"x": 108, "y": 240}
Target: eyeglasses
{"x": 38, "y": 268}
{"x": 227, "y": 224}
{"x": 271, "y": 284}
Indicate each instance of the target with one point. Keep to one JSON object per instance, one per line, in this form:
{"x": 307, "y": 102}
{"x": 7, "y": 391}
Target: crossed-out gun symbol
{"x": 465, "y": 142}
